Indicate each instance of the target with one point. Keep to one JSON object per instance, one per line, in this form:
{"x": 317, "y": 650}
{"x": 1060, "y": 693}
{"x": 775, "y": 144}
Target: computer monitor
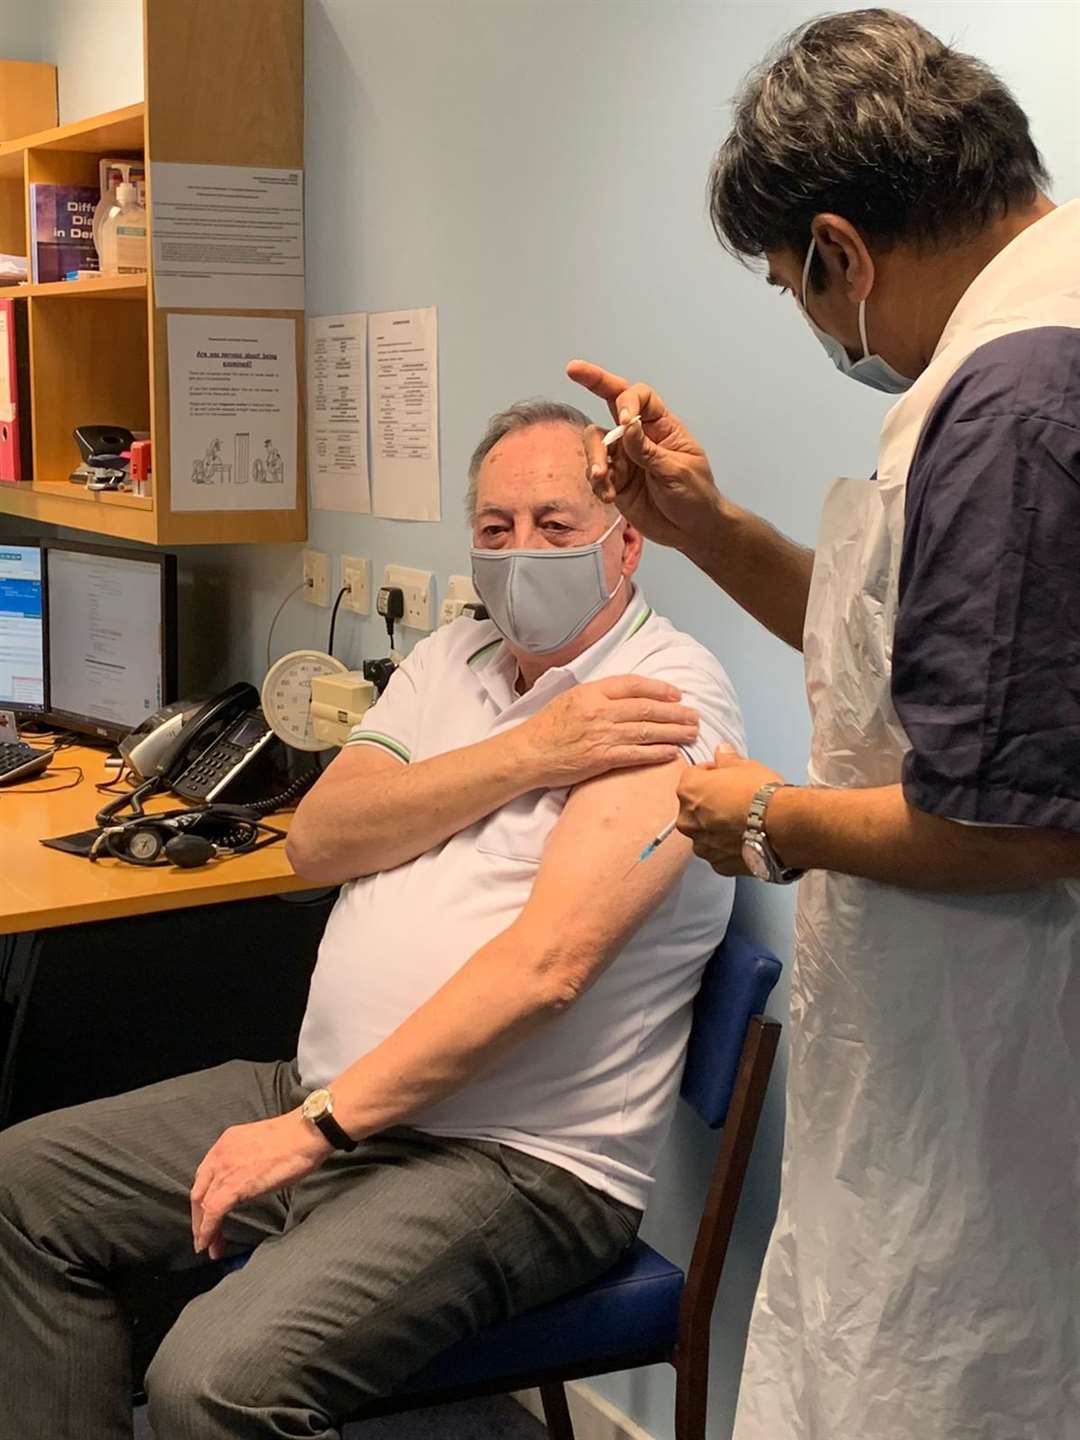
{"x": 22, "y": 630}
{"x": 111, "y": 627}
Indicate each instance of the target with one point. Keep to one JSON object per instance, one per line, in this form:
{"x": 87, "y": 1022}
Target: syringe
{"x": 655, "y": 843}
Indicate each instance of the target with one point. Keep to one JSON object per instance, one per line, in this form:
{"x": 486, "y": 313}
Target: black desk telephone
{"x": 220, "y": 750}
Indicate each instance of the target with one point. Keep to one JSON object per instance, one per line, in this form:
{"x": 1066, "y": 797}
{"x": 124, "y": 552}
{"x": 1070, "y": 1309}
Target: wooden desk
{"x": 114, "y": 976}
{"x": 42, "y": 888}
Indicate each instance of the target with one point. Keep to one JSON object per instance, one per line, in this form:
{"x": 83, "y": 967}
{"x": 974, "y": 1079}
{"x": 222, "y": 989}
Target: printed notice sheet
{"x": 337, "y": 413}
{"x": 228, "y": 237}
{"x": 232, "y": 412}
{"x": 403, "y": 351}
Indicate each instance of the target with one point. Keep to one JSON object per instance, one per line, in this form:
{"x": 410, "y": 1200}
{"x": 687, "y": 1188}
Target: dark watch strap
{"x": 339, "y": 1138}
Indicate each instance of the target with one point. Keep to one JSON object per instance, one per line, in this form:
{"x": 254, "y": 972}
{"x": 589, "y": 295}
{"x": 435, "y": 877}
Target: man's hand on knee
{"x": 246, "y": 1161}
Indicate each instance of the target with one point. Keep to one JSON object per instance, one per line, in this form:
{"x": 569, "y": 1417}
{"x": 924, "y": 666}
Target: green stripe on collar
{"x": 482, "y": 654}
{"x": 639, "y": 621}
{"x": 373, "y": 737}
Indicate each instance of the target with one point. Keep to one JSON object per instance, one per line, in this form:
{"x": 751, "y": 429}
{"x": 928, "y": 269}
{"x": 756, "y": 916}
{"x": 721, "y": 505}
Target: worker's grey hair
{"x": 521, "y": 416}
{"x": 867, "y": 115}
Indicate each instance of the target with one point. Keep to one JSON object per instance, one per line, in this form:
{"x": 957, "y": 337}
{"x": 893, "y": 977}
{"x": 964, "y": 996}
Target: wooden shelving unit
{"x": 99, "y": 347}
{"x": 101, "y": 287}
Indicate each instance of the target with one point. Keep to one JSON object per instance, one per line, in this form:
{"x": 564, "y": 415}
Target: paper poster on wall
{"x": 232, "y": 412}
{"x": 228, "y": 237}
{"x": 337, "y": 413}
{"x": 403, "y": 358}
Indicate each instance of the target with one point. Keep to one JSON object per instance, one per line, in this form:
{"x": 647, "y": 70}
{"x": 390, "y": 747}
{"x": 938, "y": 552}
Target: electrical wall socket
{"x": 417, "y": 587}
{"x": 317, "y": 572}
{"x": 461, "y": 587}
{"x": 460, "y": 591}
{"x": 356, "y": 574}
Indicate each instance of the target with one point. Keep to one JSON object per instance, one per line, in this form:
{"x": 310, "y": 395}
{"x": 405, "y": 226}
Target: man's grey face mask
{"x": 540, "y": 600}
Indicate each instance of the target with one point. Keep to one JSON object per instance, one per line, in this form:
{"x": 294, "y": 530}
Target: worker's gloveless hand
{"x": 657, "y": 474}
{"x": 714, "y": 803}
{"x": 611, "y": 724}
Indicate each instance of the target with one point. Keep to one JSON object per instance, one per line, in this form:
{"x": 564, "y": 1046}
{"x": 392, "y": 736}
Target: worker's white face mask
{"x": 542, "y": 599}
{"x": 871, "y": 370}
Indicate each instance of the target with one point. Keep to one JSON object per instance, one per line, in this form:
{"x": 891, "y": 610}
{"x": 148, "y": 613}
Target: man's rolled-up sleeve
{"x": 986, "y": 653}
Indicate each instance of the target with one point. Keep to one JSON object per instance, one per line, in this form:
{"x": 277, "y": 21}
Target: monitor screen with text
{"x": 106, "y": 636}
{"x": 22, "y": 643}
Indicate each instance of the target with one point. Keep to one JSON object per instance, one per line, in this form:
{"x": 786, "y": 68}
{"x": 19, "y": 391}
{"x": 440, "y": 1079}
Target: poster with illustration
{"x": 232, "y": 412}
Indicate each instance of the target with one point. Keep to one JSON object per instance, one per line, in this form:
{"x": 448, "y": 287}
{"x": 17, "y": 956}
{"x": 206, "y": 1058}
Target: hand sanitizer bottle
{"x": 123, "y": 236}
{"x": 106, "y": 205}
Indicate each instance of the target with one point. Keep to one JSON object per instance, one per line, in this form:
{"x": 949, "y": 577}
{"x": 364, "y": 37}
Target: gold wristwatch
{"x": 319, "y": 1109}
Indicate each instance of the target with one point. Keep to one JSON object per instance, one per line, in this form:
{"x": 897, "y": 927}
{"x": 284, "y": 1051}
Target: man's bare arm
{"x": 588, "y": 899}
{"x": 370, "y": 812}
{"x": 583, "y": 908}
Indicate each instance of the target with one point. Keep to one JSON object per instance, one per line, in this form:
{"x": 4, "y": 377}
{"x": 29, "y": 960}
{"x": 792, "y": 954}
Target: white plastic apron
{"x": 923, "y": 1278}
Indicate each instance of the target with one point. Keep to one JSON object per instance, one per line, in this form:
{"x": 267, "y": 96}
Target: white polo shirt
{"x": 594, "y": 1090}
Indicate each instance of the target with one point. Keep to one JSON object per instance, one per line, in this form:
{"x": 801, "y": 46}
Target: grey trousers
{"x": 363, "y": 1271}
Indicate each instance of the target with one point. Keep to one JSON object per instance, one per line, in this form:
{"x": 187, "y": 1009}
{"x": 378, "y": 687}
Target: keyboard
{"x": 19, "y": 761}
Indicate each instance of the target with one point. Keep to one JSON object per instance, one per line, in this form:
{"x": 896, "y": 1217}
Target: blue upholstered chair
{"x": 644, "y": 1311}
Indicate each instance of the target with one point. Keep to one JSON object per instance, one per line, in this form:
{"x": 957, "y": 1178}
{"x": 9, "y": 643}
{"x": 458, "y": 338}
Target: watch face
{"x": 754, "y": 860}
{"x": 316, "y": 1105}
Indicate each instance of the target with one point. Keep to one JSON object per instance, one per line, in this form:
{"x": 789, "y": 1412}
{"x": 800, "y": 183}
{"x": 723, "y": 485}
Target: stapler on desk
{"x": 104, "y": 465}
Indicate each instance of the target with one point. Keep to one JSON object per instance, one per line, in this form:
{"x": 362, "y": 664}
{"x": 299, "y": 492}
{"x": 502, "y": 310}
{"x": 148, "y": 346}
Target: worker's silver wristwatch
{"x": 758, "y": 855}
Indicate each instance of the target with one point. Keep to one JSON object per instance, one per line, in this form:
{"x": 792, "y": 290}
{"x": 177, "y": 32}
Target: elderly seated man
{"x": 495, "y": 1031}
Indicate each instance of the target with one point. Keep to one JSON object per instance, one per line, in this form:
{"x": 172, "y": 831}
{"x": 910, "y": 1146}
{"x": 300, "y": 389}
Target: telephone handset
{"x": 200, "y": 730}
{"x": 222, "y": 751}
{"x": 225, "y": 760}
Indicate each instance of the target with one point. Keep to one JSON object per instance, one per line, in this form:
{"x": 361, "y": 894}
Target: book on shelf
{"x": 63, "y": 239}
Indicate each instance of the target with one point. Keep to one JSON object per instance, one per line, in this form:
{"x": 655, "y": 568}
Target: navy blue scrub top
{"x": 986, "y": 652}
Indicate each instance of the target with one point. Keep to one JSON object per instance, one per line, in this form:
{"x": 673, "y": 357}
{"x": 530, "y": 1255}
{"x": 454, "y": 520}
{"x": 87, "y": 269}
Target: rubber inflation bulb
{"x": 188, "y": 851}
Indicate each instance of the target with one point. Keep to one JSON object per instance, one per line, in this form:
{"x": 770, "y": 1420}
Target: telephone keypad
{"x": 214, "y": 765}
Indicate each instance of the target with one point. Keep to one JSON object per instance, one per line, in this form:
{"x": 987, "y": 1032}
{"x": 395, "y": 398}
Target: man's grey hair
{"x": 868, "y": 115}
{"x": 521, "y": 416}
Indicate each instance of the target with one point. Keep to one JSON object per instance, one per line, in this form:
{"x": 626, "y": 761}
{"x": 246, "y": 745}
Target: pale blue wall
{"x": 536, "y": 168}
{"x": 96, "y": 46}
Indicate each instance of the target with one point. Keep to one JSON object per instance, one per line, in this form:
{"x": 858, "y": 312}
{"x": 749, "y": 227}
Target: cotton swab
{"x": 620, "y": 431}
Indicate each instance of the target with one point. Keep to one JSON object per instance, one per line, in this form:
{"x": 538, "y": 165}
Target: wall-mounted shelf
{"x": 101, "y": 287}
{"x": 116, "y": 130}
{"x": 107, "y": 363}
{"x": 59, "y": 502}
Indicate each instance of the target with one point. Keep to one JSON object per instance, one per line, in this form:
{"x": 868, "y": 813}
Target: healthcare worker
{"x": 923, "y": 1278}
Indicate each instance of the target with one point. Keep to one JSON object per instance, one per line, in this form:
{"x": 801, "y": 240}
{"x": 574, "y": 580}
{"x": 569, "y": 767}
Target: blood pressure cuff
{"x": 217, "y": 823}
{"x": 77, "y": 844}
